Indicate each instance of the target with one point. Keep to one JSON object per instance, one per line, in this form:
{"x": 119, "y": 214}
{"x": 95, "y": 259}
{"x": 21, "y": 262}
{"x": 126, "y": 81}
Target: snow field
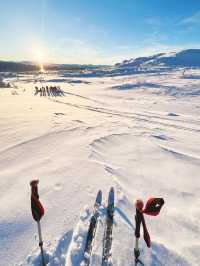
{"x": 138, "y": 133}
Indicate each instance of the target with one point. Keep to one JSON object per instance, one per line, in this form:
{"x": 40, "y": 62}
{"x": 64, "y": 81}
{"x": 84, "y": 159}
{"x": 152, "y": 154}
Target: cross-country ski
{"x": 107, "y": 239}
{"x": 92, "y": 230}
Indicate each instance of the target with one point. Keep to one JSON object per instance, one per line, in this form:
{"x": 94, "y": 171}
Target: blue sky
{"x": 96, "y": 31}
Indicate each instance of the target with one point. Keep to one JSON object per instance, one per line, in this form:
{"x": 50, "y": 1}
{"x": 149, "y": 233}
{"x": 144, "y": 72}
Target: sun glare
{"x": 42, "y": 70}
{"x": 40, "y": 60}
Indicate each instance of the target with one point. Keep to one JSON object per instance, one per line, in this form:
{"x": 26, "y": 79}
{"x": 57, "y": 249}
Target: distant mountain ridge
{"x": 185, "y": 58}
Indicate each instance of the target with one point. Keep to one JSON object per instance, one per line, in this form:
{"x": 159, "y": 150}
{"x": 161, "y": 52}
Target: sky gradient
{"x": 96, "y": 31}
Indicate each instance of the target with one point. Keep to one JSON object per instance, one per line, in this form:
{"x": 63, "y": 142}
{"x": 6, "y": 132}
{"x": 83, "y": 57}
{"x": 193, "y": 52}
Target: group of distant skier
{"x": 49, "y": 91}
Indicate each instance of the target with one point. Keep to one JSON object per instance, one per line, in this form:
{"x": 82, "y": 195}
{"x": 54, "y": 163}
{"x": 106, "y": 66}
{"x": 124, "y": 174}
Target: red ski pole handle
{"x": 34, "y": 188}
{"x": 36, "y": 207}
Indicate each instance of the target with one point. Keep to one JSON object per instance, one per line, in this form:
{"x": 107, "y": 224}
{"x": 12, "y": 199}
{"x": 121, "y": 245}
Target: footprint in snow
{"x": 58, "y": 186}
{"x": 172, "y": 114}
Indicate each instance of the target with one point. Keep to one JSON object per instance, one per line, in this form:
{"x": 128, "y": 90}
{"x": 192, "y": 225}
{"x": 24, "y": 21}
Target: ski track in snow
{"x": 143, "y": 139}
{"x": 153, "y": 120}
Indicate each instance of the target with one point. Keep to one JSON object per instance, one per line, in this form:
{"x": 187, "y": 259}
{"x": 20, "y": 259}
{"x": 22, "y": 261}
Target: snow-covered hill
{"x": 139, "y": 133}
{"x": 185, "y": 58}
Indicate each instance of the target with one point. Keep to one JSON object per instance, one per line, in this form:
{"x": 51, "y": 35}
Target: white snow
{"x": 185, "y": 58}
{"x": 139, "y": 133}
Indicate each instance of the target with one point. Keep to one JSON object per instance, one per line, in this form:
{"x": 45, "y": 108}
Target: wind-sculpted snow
{"x": 175, "y": 91}
{"x": 160, "y": 256}
{"x": 182, "y": 155}
{"x": 136, "y": 132}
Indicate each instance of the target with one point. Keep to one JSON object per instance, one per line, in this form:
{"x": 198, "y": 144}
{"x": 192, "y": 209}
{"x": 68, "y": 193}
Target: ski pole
{"x": 41, "y": 243}
{"x": 152, "y": 208}
{"x": 37, "y": 213}
{"x": 138, "y": 220}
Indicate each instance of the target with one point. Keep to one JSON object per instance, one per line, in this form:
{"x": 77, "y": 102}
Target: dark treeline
{"x": 6, "y": 66}
{"x": 17, "y": 67}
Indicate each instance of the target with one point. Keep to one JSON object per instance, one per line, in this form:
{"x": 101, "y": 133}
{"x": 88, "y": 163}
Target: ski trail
{"x": 134, "y": 116}
{"x": 186, "y": 118}
{"x": 75, "y": 252}
{"x": 83, "y": 97}
{"x": 58, "y": 257}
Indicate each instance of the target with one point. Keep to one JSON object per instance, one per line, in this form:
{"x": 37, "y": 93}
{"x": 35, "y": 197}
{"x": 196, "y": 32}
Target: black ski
{"x": 92, "y": 230}
{"x": 107, "y": 241}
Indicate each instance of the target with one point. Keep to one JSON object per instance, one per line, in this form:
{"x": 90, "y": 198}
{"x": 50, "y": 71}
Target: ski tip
{"x": 99, "y": 193}
{"x": 112, "y": 189}
{"x": 99, "y": 197}
{"x": 112, "y": 192}
{"x": 111, "y": 197}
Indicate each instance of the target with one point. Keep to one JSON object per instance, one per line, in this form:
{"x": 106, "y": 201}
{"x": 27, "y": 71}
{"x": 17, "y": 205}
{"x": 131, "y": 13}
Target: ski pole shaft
{"x": 40, "y": 234}
{"x": 41, "y": 243}
{"x": 137, "y": 243}
{"x": 138, "y": 220}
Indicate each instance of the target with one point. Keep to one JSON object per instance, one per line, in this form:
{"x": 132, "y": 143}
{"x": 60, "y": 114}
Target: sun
{"x": 40, "y": 60}
{"x": 42, "y": 70}
{"x": 39, "y": 52}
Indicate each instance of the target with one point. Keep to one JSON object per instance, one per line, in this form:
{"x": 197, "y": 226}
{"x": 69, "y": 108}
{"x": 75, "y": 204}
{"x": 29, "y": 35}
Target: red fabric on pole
{"x": 146, "y": 233}
{"x": 153, "y": 206}
{"x": 36, "y": 206}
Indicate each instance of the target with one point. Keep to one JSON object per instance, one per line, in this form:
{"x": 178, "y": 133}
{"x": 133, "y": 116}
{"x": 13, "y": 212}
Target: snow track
{"x": 141, "y": 117}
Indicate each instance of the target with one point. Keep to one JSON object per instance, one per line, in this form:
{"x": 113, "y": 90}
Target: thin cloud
{"x": 192, "y": 20}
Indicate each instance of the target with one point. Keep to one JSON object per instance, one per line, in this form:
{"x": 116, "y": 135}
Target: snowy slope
{"x": 185, "y": 58}
{"x": 138, "y": 133}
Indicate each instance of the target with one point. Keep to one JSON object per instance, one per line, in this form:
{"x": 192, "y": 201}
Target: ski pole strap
{"x": 146, "y": 235}
{"x": 139, "y": 219}
{"x": 36, "y": 206}
{"x": 153, "y": 206}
